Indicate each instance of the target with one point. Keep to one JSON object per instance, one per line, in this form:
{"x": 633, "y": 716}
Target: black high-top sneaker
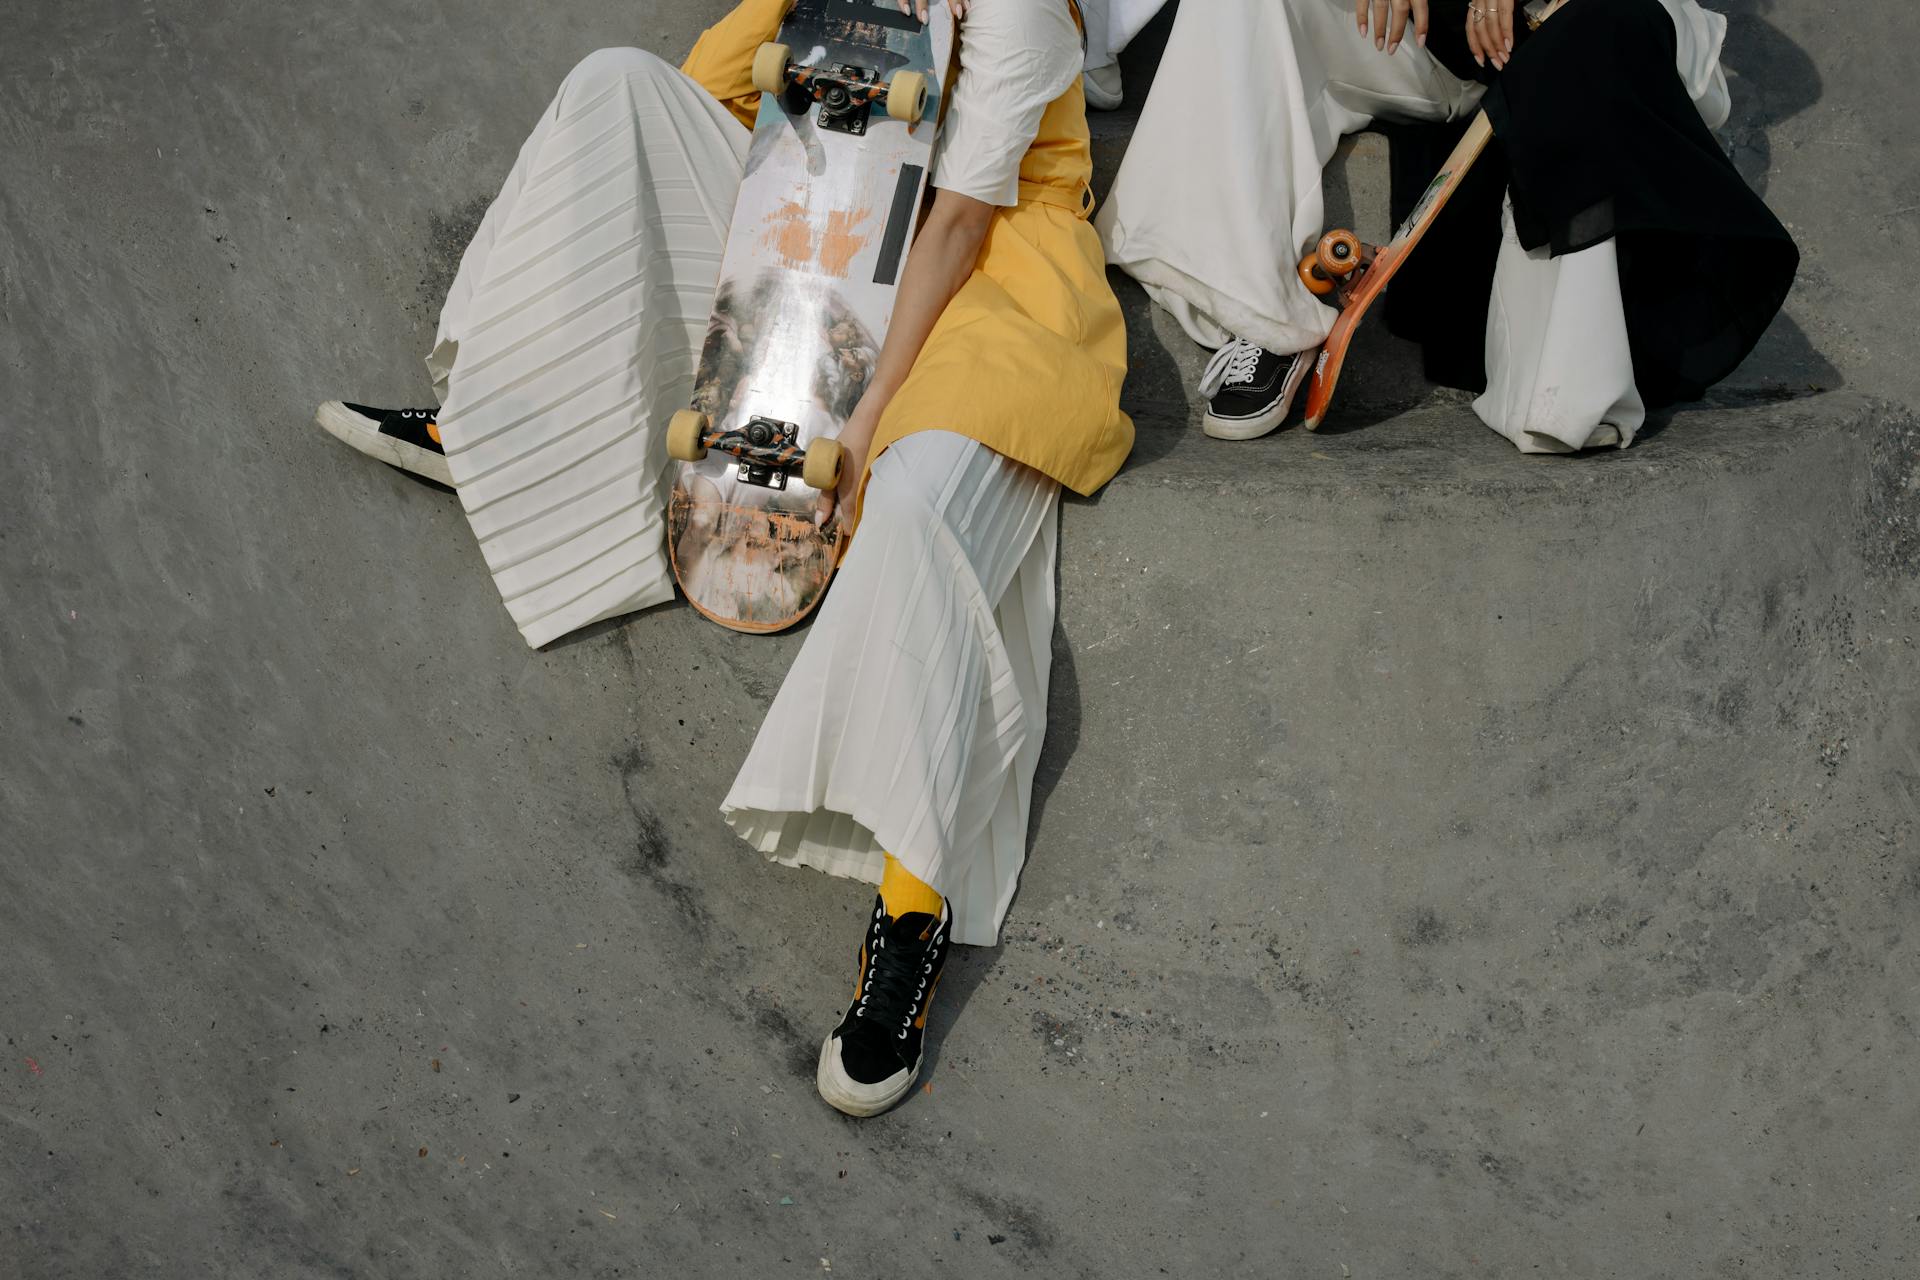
{"x": 872, "y": 1058}
{"x": 407, "y": 438}
{"x": 1249, "y": 389}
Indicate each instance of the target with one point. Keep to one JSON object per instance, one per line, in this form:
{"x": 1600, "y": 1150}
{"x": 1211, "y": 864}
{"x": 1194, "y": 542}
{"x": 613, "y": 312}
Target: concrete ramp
{"x": 1448, "y": 863}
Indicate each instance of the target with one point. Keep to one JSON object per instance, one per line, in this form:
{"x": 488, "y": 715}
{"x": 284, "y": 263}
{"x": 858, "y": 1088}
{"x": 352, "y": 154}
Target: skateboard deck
{"x": 852, "y": 93}
{"x": 1355, "y": 275}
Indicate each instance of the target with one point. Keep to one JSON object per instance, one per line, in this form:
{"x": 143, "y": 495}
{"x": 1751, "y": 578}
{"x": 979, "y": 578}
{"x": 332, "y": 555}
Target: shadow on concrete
{"x": 968, "y": 967}
{"x": 1774, "y": 80}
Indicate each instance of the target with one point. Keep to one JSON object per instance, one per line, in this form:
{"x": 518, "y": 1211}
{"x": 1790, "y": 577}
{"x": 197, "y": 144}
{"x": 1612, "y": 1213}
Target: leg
{"x": 1102, "y": 81}
{"x": 571, "y": 331}
{"x": 1128, "y": 17}
{"x": 1111, "y": 26}
{"x": 1097, "y": 17}
{"x": 1561, "y": 366}
{"x": 911, "y": 723}
{"x": 1559, "y": 374}
{"x": 921, "y": 688}
{"x": 1214, "y": 224}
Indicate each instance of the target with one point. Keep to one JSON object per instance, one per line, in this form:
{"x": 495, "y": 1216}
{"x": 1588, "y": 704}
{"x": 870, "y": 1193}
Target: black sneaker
{"x": 1250, "y": 389}
{"x": 407, "y": 438}
{"x": 872, "y": 1058}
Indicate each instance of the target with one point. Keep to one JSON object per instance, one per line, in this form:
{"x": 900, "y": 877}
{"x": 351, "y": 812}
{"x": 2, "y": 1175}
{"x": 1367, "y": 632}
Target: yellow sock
{"x": 901, "y": 891}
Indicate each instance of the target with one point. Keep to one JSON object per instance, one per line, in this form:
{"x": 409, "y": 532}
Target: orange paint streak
{"x": 790, "y": 235}
{"x": 842, "y": 240}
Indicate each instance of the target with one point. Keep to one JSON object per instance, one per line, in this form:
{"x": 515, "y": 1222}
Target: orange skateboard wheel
{"x": 1318, "y": 282}
{"x": 1339, "y": 252}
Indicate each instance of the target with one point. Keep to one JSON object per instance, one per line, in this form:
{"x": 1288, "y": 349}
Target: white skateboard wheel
{"x": 770, "y": 67}
{"x": 821, "y": 470}
{"x": 907, "y": 96}
{"x": 683, "y": 435}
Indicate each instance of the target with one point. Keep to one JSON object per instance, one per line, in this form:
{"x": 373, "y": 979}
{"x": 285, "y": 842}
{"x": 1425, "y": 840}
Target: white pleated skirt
{"x": 1303, "y": 77}
{"x": 912, "y": 719}
{"x": 571, "y": 334}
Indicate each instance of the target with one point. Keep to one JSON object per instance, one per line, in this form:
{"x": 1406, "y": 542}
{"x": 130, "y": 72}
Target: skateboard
{"x": 852, "y": 93}
{"x": 1353, "y": 275}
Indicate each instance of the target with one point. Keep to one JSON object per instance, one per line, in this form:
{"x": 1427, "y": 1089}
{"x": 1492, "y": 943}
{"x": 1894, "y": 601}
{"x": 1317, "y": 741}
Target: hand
{"x": 1490, "y": 31}
{"x": 855, "y": 438}
{"x": 918, "y": 8}
{"x": 1389, "y": 19}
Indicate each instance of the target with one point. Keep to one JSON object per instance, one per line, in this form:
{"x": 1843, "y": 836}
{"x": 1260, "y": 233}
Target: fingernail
{"x": 1421, "y": 39}
{"x": 1393, "y": 46}
{"x": 1477, "y": 58}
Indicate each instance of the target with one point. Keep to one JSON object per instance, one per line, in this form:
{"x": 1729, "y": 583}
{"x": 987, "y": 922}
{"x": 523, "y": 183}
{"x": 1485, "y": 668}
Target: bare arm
{"x": 942, "y": 257}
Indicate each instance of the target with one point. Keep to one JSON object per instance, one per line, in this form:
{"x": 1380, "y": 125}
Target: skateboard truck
{"x": 847, "y": 94}
{"x": 768, "y": 449}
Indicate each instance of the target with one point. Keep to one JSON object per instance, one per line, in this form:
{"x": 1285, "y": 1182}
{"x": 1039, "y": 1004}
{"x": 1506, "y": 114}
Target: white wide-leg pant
{"x": 571, "y": 333}
{"x": 912, "y": 719}
{"x": 1111, "y": 26}
{"x": 1212, "y": 211}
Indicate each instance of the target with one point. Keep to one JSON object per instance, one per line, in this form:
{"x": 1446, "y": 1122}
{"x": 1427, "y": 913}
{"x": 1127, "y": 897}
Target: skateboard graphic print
{"x": 852, "y": 93}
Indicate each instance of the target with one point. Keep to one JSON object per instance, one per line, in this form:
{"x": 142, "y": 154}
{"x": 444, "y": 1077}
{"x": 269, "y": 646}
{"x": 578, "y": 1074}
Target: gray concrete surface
{"x": 1447, "y": 863}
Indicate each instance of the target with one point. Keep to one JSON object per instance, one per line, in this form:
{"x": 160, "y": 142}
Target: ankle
{"x": 904, "y": 893}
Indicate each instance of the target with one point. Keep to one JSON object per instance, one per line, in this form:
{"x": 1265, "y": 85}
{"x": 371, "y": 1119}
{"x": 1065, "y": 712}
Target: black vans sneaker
{"x": 1250, "y": 389}
{"x": 407, "y": 438}
{"x": 872, "y": 1058}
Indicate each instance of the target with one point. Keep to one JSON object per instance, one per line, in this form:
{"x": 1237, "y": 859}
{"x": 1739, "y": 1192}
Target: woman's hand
{"x": 1490, "y": 31}
{"x": 1389, "y": 19}
{"x": 855, "y": 439}
{"x": 918, "y": 8}
{"x": 940, "y": 262}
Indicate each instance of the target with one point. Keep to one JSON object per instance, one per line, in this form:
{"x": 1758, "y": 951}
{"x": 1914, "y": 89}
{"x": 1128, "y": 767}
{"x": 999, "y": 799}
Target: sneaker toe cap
{"x": 839, "y": 1087}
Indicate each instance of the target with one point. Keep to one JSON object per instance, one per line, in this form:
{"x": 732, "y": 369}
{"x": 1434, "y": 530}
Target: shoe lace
{"x": 894, "y": 987}
{"x": 1231, "y": 366}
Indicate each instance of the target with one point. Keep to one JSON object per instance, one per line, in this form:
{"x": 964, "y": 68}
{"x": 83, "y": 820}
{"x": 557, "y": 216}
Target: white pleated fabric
{"x": 571, "y": 334}
{"x": 1302, "y": 77}
{"x": 912, "y": 719}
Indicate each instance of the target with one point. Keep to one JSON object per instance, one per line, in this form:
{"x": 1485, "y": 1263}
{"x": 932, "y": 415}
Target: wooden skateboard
{"x": 852, "y": 96}
{"x": 1353, "y": 275}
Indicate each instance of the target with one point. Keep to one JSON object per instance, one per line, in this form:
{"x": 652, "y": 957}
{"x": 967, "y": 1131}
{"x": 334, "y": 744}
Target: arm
{"x": 941, "y": 260}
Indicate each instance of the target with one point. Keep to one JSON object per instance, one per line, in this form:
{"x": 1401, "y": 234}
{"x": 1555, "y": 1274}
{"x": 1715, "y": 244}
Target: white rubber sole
{"x": 1260, "y": 424}
{"x": 845, "y": 1094}
{"x": 363, "y": 433}
{"x": 1103, "y": 89}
